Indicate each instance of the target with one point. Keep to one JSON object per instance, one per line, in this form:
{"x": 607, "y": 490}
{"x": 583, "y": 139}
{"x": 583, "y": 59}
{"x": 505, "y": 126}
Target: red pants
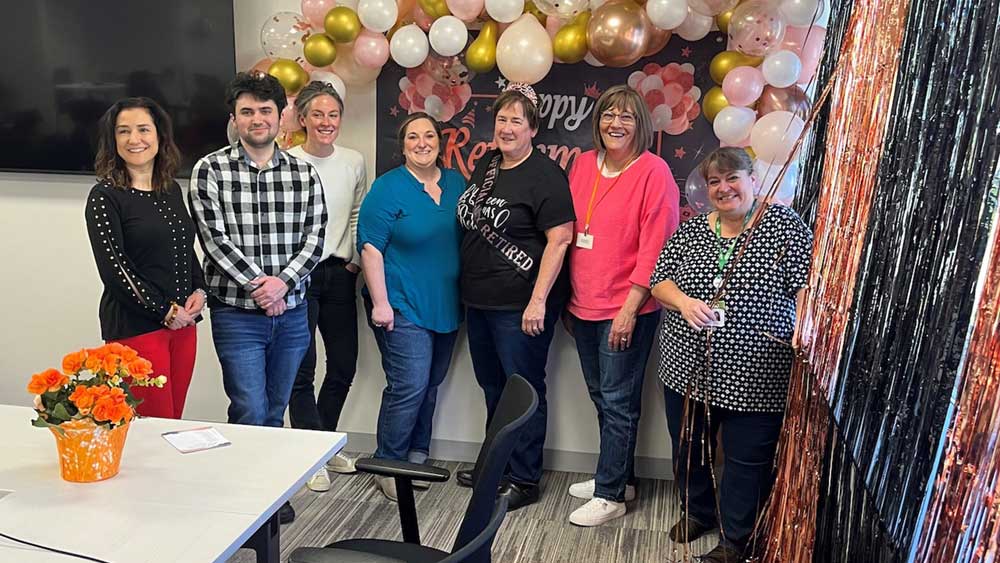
{"x": 172, "y": 354}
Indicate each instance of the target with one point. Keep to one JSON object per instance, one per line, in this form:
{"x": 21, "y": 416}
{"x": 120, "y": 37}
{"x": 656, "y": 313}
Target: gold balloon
{"x": 570, "y": 42}
{"x": 481, "y": 56}
{"x": 618, "y": 33}
{"x": 750, "y": 152}
{"x": 434, "y": 8}
{"x": 728, "y": 60}
{"x": 531, "y": 8}
{"x": 658, "y": 39}
{"x": 342, "y": 24}
{"x": 722, "y": 20}
{"x": 713, "y": 102}
{"x": 291, "y": 76}
{"x": 319, "y": 49}
{"x": 296, "y": 138}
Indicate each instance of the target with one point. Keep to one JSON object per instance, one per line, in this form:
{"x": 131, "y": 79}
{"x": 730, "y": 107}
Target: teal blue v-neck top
{"x": 419, "y": 241}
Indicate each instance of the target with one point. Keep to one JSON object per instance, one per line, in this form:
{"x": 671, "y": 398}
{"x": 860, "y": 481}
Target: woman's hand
{"x": 195, "y": 303}
{"x": 383, "y": 317}
{"x": 696, "y": 312}
{"x": 181, "y": 319}
{"x": 620, "y": 335}
{"x": 533, "y": 319}
{"x": 352, "y": 267}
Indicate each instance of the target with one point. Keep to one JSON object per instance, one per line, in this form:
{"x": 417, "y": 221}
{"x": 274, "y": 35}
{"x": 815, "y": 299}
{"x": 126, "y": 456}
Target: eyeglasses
{"x": 626, "y": 119}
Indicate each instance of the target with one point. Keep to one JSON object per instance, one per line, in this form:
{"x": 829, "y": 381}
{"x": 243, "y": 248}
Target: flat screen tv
{"x": 67, "y": 61}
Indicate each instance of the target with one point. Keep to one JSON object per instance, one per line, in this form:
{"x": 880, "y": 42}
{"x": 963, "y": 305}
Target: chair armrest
{"x": 395, "y": 468}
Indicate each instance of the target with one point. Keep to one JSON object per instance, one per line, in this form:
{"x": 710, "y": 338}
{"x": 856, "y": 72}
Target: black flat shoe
{"x": 723, "y": 554}
{"x": 286, "y": 514}
{"x": 464, "y": 478}
{"x": 688, "y": 529}
{"x": 519, "y": 494}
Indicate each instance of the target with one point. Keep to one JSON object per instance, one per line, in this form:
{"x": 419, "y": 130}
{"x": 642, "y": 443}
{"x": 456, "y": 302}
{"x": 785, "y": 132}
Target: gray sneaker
{"x": 341, "y": 463}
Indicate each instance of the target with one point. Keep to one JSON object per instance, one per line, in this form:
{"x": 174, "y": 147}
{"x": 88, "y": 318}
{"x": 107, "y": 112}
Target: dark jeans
{"x": 614, "y": 380}
{"x": 333, "y": 309}
{"x": 415, "y": 361}
{"x": 499, "y": 349}
{"x": 259, "y": 356}
{"x": 749, "y": 440}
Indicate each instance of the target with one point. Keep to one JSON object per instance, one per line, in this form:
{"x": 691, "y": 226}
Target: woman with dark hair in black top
{"x": 142, "y": 238}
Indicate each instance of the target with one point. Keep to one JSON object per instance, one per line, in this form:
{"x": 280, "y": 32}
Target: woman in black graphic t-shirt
{"x": 518, "y": 216}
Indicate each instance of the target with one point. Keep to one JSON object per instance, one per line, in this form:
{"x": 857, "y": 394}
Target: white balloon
{"x": 331, "y": 79}
{"x": 352, "y": 4}
{"x": 505, "y": 11}
{"x": 696, "y": 26}
{"x": 448, "y": 36}
{"x": 408, "y": 46}
{"x": 781, "y": 68}
{"x": 524, "y": 51}
{"x": 595, "y": 4}
{"x": 801, "y": 12}
{"x": 652, "y": 82}
{"x": 732, "y": 125}
{"x": 433, "y": 106}
{"x": 667, "y": 14}
{"x": 774, "y": 135}
{"x": 695, "y": 93}
{"x": 635, "y": 79}
{"x": 378, "y": 15}
{"x": 592, "y": 60}
{"x": 767, "y": 173}
{"x": 404, "y": 83}
{"x": 712, "y": 8}
{"x": 661, "y": 117}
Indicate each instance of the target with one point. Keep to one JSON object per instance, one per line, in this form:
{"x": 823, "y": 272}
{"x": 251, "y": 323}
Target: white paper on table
{"x": 196, "y": 439}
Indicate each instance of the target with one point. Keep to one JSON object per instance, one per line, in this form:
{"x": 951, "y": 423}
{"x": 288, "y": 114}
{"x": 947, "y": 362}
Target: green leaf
{"x": 59, "y": 411}
{"x": 41, "y": 423}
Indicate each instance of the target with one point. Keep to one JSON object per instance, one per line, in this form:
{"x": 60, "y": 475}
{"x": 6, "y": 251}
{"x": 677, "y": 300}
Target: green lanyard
{"x": 726, "y": 253}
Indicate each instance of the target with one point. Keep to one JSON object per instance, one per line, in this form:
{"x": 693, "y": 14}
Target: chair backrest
{"x": 517, "y": 403}
{"x": 485, "y": 537}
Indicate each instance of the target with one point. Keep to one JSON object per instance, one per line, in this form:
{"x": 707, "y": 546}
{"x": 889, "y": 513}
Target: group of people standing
{"x": 512, "y": 251}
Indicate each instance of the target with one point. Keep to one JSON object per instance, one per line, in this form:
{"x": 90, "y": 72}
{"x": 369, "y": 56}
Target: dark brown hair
{"x": 401, "y": 132}
{"x": 260, "y": 85}
{"x": 625, "y": 98}
{"x": 110, "y": 167}
{"x": 727, "y": 159}
{"x": 511, "y": 97}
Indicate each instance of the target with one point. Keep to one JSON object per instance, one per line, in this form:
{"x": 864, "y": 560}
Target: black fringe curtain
{"x": 914, "y": 294}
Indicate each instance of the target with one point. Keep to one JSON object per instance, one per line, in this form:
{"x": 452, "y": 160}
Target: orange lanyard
{"x": 593, "y": 192}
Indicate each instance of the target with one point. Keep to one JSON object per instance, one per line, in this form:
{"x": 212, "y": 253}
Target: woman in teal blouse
{"x": 409, "y": 241}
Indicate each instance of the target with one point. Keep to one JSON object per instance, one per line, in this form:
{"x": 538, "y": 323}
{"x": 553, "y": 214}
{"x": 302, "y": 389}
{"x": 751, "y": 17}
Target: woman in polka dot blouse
{"x": 726, "y": 366}
{"x": 142, "y": 238}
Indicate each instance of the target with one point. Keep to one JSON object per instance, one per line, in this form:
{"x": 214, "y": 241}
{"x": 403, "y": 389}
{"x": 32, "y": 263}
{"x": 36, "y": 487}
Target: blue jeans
{"x": 259, "y": 357}
{"x": 749, "y": 440}
{"x": 614, "y": 380}
{"x": 415, "y": 361}
{"x": 499, "y": 349}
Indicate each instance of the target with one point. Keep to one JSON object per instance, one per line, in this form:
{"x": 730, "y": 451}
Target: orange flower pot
{"x": 88, "y": 452}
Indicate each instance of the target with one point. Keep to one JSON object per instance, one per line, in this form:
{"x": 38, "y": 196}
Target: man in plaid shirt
{"x": 261, "y": 221}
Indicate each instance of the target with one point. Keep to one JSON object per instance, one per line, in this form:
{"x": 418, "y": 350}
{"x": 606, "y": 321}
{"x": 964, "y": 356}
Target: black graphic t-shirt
{"x": 502, "y": 246}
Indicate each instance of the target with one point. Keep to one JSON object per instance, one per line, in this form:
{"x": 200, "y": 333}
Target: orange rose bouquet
{"x": 94, "y": 383}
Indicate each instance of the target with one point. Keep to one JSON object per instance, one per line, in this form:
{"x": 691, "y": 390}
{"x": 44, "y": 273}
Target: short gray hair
{"x": 313, "y": 90}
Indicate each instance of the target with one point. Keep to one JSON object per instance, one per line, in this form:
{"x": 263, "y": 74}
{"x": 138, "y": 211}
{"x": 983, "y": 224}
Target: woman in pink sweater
{"x": 627, "y": 205}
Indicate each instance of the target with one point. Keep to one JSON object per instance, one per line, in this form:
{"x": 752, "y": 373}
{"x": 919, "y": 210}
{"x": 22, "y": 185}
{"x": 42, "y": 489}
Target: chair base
{"x": 368, "y": 551}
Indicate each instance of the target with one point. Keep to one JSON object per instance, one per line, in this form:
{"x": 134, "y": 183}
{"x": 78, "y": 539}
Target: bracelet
{"x": 171, "y": 315}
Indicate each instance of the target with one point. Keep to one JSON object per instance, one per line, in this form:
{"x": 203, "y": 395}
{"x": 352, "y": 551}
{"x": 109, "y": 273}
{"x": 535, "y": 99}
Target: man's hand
{"x": 269, "y": 291}
{"x": 277, "y": 308}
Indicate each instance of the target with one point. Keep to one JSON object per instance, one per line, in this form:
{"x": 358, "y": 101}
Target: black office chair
{"x": 483, "y": 515}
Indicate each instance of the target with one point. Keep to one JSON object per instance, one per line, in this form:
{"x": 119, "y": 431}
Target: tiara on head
{"x": 525, "y": 90}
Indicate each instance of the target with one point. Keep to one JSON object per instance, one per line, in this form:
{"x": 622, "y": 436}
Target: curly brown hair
{"x": 110, "y": 167}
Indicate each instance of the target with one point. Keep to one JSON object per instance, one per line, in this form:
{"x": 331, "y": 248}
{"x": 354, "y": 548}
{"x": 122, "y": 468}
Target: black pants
{"x": 749, "y": 440}
{"x": 333, "y": 309}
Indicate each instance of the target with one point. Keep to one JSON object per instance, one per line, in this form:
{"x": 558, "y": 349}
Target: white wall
{"x": 50, "y": 292}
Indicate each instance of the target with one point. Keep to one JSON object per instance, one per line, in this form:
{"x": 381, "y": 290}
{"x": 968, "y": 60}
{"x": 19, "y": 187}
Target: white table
{"x": 163, "y": 506}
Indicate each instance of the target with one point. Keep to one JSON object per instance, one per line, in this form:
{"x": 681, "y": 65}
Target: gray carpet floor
{"x": 541, "y": 533}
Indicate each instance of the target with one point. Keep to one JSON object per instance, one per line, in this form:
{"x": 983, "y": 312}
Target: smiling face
{"x": 256, "y": 121}
{"x": 731, "y": 192}
{"x": 421, "y": 144}
{"x": 322, "y": 120}
{"x": 617, "y": 127}
{"x": 136, "y": 138}
{"x": 511, "y": 131}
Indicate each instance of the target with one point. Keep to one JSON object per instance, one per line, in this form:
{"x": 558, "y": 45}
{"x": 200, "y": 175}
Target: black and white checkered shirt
{"x": 257, "y": 222}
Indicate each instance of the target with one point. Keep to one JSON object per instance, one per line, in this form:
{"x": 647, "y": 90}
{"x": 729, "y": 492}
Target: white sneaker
{"x": 422, "y": 485}
{"x": 341, "y": 463}
{"x": 388, "y": 487}
{"x": 319, "y": 482}
{"x": 585, "y": 490}
{"x": 596, "y": 512}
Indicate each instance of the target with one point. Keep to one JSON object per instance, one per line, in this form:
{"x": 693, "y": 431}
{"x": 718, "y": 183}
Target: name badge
{"x": 583, "y": 240}
{"x": 719, "y": 318}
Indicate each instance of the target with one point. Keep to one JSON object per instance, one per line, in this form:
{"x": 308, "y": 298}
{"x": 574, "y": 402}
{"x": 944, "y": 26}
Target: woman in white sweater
{"x": 332, "y": 297}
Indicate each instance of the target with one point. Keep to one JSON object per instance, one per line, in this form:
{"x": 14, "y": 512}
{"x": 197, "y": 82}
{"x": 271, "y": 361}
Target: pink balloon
{"x": 756, "y": 27}
{"x": 743, "y": 85}
{"x": 466, "y": 10}
{"x": 371, "y": 49}
{"x": 421, "y": 18}
{"x": 672, "y": 94}
{"x": 262, "y": 65}
{"x": 464, "y": 93}
{"x": 315, "y": 11}
{"x": 289, "y": 117}
{"x": 425, "y": 85}
{"x": 807, "y": 43}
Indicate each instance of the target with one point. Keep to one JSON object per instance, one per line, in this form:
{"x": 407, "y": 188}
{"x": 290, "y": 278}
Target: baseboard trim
{"x": 556, "y": 460}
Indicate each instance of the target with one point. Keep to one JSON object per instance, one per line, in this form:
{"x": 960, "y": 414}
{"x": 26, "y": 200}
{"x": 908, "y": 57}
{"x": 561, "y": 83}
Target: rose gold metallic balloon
{"x": 658, "y": 39}
{"x": 618, "y": 33}
{"x": 791, "y": 99}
